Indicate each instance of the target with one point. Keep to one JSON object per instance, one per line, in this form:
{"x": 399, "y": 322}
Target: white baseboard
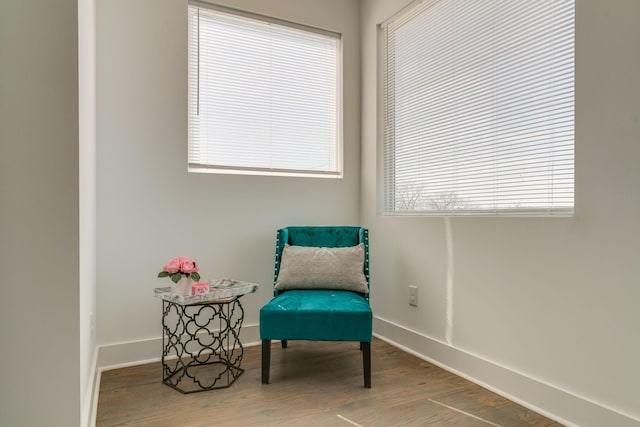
{"x": 121, "y": 355}
{"x": 90, "y": 399}
{"x": 546, "y": 399}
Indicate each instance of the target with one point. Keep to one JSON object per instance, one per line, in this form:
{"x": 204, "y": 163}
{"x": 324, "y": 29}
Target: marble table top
{"x": 220, "y": 290}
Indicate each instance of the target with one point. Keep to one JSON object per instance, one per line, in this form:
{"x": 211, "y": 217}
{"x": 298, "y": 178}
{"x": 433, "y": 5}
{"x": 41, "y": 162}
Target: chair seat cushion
{"x": 317, "y": 315}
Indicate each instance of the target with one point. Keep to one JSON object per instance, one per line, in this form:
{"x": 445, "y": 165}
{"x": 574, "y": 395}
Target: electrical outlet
{"x": 413, "y": 295}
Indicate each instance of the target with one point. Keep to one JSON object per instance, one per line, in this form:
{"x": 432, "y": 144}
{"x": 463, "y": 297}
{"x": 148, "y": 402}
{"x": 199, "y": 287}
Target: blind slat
{"x": 263, "y": 96}
{"x": 478, "y": 107}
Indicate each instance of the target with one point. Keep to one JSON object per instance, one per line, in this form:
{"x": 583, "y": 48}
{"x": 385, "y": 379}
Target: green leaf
{"x": 163, "y": 274}
{"x": 175, "y": 277}
{"x": 195, "y": 276}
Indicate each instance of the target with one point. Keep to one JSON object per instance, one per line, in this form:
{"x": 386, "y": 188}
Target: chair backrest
{"x": 322, "y": 236}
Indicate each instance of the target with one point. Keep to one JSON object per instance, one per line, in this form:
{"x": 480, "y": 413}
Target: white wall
{"x": 87, "y": 171}
{"x": 555, "y": 300}
{"x": 39, "y": 338}
{"x": 150, "y": 209}
{"x": 548, "y": 303}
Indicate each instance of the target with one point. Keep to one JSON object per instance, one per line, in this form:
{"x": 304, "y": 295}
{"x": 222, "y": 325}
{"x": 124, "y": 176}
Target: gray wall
{"x": 39, "y": 220}
{"x": 553, "y": 299}
{"x": 150, "y": 209}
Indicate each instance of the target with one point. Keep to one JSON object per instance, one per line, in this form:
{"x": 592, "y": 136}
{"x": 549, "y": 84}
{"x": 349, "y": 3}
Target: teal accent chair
{"x": 318, "y": 314}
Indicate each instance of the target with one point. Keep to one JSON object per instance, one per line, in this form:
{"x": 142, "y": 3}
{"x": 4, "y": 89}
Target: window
{"x": 478, "y": 108}
{"x": 264, "y": 95}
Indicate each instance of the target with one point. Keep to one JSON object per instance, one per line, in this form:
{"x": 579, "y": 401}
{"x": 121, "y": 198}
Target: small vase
{"x": 183, "y": 287}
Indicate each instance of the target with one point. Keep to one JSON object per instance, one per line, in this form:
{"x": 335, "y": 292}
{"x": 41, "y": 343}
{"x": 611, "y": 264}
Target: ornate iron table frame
{"x": 201, "y": 347}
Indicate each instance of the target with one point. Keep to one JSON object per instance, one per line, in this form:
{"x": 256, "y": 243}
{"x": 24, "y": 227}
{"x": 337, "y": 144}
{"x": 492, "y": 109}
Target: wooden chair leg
{"x": 266, "y": 360}
{"x": 366, "y": 363}
{"x": 284, "y": 343}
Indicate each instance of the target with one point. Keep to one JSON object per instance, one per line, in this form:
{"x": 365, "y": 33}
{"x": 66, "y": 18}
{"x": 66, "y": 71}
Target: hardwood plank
{"x": 490, "y": 406}
{"x": 312, "y": 383}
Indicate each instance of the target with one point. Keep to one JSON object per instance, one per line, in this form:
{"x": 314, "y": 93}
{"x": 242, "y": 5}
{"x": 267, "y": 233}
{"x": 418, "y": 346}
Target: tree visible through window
{"x": 264, "y": 95}
{"x": 478, "y": 108}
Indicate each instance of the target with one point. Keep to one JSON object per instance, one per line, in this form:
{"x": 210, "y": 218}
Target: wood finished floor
{"x": 312, "y": 384}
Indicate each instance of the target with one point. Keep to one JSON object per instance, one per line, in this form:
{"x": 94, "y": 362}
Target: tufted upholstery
{"x": 327, "y": 237}
{"x": 319, "y": 314}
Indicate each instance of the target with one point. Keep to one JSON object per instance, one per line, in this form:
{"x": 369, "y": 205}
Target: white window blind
{"x": 478, "y": 108}
{"x": 263, "y": 95}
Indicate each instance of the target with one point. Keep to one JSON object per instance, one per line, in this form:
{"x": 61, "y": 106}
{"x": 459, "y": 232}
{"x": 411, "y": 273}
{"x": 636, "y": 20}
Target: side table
{"x": 201, "y": 348}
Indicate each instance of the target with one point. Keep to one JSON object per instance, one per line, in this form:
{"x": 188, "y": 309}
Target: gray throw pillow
{"x": 304, "y": 267}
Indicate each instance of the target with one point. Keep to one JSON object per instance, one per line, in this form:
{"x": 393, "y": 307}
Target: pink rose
{"x": 188, "y": 266}
{"x": 172, "y": 266}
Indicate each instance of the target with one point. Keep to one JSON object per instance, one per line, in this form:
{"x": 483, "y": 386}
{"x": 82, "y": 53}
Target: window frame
{"x": 334, "y": 145}
{"x": 386, "y": 151}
